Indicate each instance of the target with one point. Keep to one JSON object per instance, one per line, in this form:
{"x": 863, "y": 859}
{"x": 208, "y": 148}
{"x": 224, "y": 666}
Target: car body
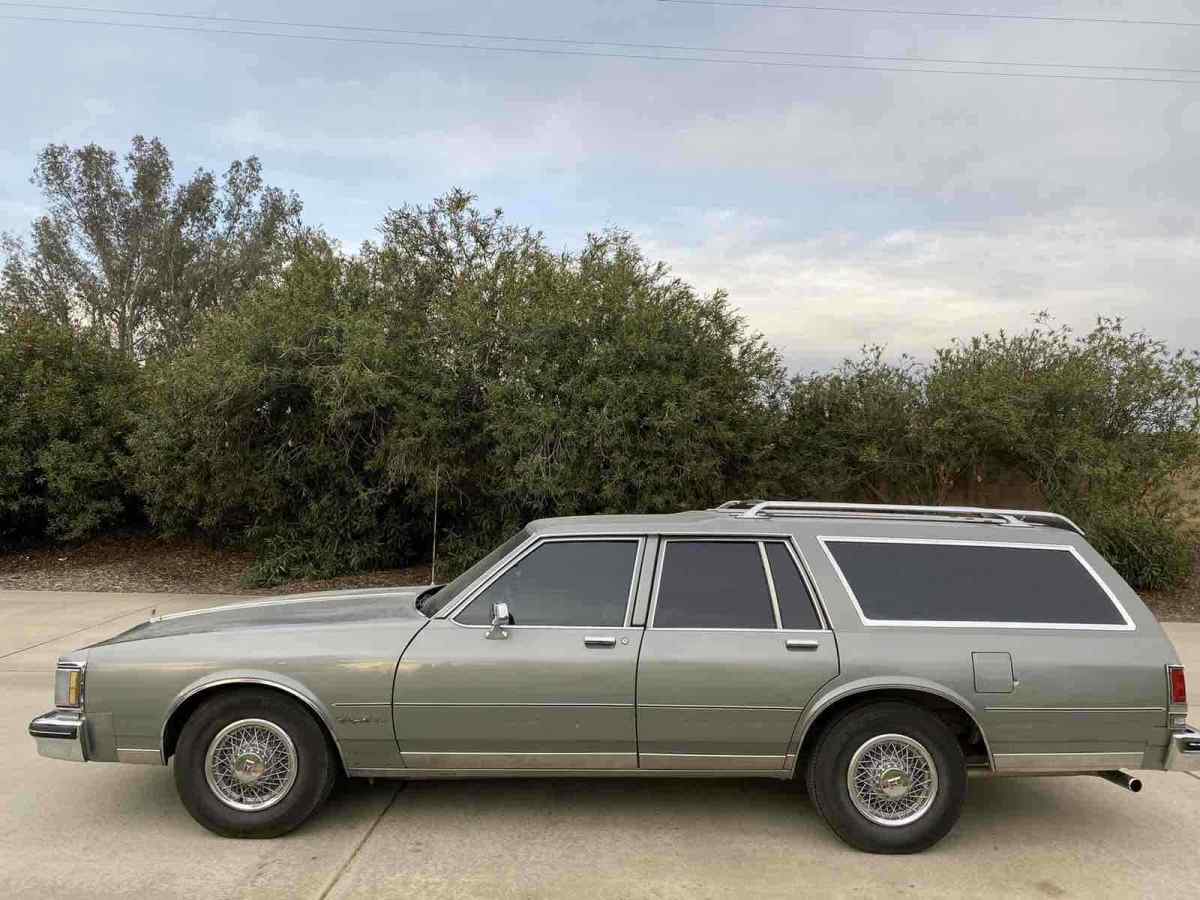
{"x": 755, "y": 639}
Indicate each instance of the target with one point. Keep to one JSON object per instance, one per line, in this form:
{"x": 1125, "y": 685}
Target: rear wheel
{"x": 888, "y": 778}
{"x": 253, "y": 763}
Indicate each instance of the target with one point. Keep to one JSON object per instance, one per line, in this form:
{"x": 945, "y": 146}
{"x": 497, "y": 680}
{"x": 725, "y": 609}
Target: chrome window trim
{"x": 766, "y": 564}
{"x": 824, "y": 540}
{"x": 813, "y": 597}
{"x": 788, "y": 540}
{"x": 535, "y": 541}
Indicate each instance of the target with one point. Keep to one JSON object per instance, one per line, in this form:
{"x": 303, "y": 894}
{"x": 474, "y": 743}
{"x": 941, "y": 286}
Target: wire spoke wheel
{"x": 250, "y": 764}
{"x": 892, "y": 780}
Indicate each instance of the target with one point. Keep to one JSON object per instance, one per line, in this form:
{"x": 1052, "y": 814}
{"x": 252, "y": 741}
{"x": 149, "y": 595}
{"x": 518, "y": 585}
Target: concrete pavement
{"x": 110, "y": 830}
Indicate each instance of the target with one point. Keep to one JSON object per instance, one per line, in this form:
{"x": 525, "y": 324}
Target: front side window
{"x": 569, "y": 583}
{"x": 713, "y": 584}
{"x": 910, "y": 581}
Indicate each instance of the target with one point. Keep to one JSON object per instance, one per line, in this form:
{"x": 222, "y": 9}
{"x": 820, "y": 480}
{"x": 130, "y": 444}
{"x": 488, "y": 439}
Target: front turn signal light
{"x": 68, "y": 687}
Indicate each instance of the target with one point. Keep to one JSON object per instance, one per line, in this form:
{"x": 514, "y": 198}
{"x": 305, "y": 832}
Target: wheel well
{"x": 958, "y": 720}
{"x": 183, "y": 712}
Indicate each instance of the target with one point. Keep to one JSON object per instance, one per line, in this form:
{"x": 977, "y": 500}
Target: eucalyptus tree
{"x": 128, "y": 251}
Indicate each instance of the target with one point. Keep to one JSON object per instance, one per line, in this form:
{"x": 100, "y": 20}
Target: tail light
{"x": 1177, "y": 685}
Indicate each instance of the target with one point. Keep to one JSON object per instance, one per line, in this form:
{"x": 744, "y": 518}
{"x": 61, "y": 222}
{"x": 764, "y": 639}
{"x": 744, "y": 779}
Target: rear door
{"x": 734, "y": 649}
{"x": 557, "y": 692}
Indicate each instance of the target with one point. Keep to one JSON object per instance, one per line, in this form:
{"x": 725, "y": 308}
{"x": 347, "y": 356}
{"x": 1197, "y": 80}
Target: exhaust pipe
{"x": 1122, "y": 779}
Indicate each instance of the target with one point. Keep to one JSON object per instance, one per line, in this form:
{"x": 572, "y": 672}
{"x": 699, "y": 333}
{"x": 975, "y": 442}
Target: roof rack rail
{"x": 754, "y": 509}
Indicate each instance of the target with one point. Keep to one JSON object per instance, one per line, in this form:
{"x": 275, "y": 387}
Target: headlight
{"x": 68, "y": 685}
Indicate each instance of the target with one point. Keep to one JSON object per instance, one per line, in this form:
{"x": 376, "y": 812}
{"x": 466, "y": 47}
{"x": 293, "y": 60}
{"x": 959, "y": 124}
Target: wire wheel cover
{"x": 892, "y": 780}
{"x": 250, "y": 764}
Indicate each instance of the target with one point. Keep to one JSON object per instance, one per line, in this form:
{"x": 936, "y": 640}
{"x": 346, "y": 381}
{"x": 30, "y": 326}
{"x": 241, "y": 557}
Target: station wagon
{"x": 879, "y": 654}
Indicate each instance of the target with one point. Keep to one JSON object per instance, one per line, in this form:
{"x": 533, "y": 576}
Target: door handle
{"x": 793, "y": 644}
{"x": 592, "y": 640}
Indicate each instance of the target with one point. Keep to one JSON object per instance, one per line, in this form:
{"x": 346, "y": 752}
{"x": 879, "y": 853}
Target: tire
{"x": 912, "y": 770}
{"x": 288, "y": 764}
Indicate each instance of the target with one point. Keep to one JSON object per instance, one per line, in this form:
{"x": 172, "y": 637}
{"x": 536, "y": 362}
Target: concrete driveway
{"x": 100, "y": 830}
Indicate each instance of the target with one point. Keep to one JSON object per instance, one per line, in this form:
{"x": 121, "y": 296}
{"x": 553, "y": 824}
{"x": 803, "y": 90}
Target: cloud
{"x": 820, "y": 299}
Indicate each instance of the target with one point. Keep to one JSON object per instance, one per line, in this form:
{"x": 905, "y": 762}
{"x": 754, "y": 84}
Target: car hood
{"x": 326, "y": 608}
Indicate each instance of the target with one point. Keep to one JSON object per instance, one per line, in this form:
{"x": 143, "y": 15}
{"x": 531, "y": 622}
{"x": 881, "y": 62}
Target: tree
{"x": 126, "y": 251}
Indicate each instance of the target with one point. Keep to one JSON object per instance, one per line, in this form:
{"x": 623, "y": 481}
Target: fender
{"x": 250, "y": 677}
{"x": 839, "y": 692}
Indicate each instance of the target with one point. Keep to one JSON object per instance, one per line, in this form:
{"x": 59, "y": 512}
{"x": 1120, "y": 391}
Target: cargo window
{"x": 796, "y": 608}
{"x": 713, "y": 584}
{"x": 566, "y": 583}
{"x": 963, "y": 583}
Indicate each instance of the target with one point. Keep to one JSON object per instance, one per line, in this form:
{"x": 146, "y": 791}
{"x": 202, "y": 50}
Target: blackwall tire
{"x": 253, "y": 763}
{"x": 888, "y": 778}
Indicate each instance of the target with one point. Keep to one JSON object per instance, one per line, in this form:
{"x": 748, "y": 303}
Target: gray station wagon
{"x": 879, "y": 653}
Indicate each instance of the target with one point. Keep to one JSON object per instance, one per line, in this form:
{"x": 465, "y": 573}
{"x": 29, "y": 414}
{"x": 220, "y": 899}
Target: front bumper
{"x": 61, "y": 734}
{"x": 1183, "y": 752}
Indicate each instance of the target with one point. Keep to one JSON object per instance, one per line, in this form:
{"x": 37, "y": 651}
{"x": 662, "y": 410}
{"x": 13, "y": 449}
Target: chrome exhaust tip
{"x": 1122, "y": 779}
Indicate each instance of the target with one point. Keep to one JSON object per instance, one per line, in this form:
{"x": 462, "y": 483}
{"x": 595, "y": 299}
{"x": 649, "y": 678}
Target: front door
{"x": 556, "y": 691}
{"x": 734, "y": 650}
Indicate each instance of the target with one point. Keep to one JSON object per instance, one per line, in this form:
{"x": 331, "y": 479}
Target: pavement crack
{"x": 59, "y": 637}
{"x": 341, "y": 870}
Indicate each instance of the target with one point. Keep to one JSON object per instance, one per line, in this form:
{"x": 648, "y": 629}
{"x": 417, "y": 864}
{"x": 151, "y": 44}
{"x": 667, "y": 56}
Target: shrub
{"x": 65, "y": 401}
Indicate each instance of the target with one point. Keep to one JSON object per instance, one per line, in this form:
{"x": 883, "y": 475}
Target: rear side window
{"x": 713, "y": 584}
{"x": 796, "y": 608}
{"x": 568, "y": 583}
{"x": 901, "y": 581}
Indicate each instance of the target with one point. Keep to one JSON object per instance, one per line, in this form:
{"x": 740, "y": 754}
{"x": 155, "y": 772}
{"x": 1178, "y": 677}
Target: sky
{"x": 837, "y": 207}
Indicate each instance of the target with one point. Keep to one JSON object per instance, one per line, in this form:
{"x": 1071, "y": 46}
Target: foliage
{"x": 192, "y": 350}
{"x": 1103, "y": 426}
{"x": 64, "y": 401}
{"x": 458, "y": 358}
{"x": 137, "y": 257}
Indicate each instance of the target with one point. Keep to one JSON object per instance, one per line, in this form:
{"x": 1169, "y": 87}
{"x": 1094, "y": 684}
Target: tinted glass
{"x": 713, "y": 584}
{"x": 464, "y": 580}
{"x": 795, "y": 604}
{"x": 949, "y": 583}
{"x": 583, "y": 583}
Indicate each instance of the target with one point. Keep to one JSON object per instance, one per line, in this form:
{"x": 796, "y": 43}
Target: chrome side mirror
{"x": 500, "y": 618}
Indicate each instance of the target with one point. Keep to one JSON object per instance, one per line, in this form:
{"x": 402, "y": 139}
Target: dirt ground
{"x": 144, "y": 564}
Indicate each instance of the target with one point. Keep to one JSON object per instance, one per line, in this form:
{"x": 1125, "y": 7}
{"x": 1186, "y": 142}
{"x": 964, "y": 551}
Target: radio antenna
{"x": 433, "y": 564}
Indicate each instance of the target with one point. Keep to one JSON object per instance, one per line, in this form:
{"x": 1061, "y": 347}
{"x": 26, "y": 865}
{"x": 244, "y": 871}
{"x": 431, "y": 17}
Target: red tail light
{"x": 1178, "y": 684}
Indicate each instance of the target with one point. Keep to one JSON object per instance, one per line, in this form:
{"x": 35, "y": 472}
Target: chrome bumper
{"x": 60, "y": 734}
{"x": 1183, "y": 753}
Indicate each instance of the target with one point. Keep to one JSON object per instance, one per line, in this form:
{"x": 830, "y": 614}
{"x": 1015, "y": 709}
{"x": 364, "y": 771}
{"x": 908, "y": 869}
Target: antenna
{"x": 433, "y": 564}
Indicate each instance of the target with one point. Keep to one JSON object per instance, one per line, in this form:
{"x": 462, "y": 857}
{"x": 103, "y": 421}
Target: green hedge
{"x": 458, "y": 357}
{"x": 65, "y": 403}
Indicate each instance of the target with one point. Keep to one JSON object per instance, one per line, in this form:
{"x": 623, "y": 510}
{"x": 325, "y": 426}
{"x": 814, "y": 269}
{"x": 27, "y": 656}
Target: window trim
{"x": 761, "y": 540}
{"x": 532, "y": 545}
{"x": 824, "y": 540}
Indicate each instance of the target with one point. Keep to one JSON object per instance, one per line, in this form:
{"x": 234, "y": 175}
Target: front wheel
{"x": 253, "y": 763}
{"x": 888, "y": 778}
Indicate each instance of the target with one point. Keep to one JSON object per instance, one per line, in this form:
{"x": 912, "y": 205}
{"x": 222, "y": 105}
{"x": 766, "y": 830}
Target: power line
{"x": 545, "y": 51}
{"x": 685, "y": 48}
{"x": 1097, "y": 20}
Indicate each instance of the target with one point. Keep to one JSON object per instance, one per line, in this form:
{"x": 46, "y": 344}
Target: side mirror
{"x": 500, "y": 618}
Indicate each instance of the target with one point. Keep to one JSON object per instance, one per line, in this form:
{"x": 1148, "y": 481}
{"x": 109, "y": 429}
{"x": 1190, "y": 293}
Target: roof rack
{"x": 755, "y": 509}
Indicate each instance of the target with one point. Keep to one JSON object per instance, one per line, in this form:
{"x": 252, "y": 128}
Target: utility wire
{"x": 685, "y": 48}
{"x": 544, "y": 51}
{"x": 931, "y": 12}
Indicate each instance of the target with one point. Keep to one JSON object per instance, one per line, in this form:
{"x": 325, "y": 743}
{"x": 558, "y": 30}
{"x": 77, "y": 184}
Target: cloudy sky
{"x": 837, "y": 207}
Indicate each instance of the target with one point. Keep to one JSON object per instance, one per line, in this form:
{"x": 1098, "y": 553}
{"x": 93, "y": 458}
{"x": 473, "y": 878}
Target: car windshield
{"x": 431, "y": 602}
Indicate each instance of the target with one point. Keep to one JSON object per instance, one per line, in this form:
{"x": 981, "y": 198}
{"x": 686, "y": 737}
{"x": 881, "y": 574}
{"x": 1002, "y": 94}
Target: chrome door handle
{"x": 591, "y": 640}
{"x": 793, "y": 644}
